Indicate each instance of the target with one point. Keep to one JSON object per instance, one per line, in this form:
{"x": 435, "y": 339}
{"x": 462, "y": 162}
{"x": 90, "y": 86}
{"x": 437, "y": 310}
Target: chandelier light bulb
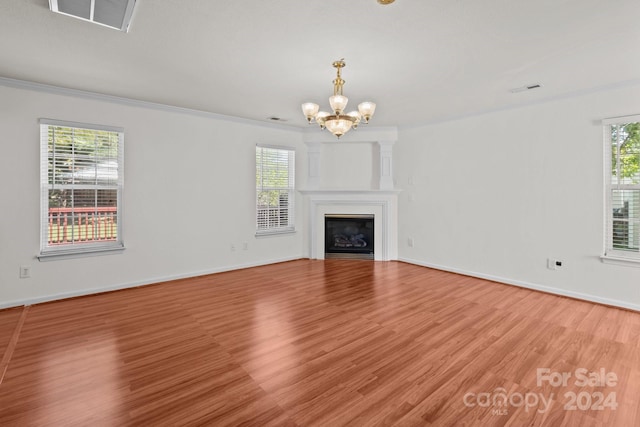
{"x": 309, "y": 109}
{"x": 367, "y": 109}
{"x": 356, "y": 116}
{"x": 321, "y": 117}
{"x": 338, "y": 126}
{"x": 338, "y": 103}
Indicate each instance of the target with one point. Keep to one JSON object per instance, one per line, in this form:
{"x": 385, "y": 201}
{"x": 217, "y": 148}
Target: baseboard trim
{"x": 145, "y": 282}
{"x": 160, "y": 279}
{"x": 528, "y": 285}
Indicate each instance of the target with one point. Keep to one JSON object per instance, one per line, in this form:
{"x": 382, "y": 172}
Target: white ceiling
{"x": 421, "y": 61}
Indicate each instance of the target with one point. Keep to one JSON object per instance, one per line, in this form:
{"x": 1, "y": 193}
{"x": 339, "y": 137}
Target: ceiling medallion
{"x": 338, "y": 123}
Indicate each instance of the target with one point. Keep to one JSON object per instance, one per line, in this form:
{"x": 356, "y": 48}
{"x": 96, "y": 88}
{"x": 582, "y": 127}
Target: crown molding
{"x": 515, "y": 106}
{"x": 95, "y": 96}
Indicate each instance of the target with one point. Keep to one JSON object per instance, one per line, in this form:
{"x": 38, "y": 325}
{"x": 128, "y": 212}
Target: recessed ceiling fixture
{"x": 338, "y": 123}
{"x": 114, "y": 14}
{"x": 523, "y": 88}
{"x": 386, "y": 1}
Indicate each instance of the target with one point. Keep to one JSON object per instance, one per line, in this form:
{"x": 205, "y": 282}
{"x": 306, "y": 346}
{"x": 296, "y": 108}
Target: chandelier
{"x": 338, "y": 123}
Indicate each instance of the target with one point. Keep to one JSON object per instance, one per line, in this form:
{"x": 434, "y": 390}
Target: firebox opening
{"x": 349, "y": 236}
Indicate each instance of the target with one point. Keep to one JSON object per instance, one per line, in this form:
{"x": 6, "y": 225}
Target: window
{"x": 622, "y": 139}
{"x": 274, "y": 190}
{"x": 81, "y": 188}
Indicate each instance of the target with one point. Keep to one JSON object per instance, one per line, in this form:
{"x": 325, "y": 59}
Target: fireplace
{"x": 382, "y": 205}
{"x": 349, "y": 236}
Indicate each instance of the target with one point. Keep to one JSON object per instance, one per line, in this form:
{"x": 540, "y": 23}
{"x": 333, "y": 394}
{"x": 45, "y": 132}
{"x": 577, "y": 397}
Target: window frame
{"x": 49, "y": 252}
{"x": 612, "y": 255}
{"x": 291, "y": 188}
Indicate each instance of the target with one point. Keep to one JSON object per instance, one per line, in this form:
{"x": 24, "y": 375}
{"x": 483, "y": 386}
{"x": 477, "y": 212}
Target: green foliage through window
{"x": 625, "y": 150}
{"x": 624, "y": 190}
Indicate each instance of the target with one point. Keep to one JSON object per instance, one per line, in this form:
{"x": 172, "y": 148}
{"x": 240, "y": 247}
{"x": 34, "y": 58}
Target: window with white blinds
{"x": 622, "y": 147}
{"x": 81, "y": 188}
{"x": 275, "y": 189}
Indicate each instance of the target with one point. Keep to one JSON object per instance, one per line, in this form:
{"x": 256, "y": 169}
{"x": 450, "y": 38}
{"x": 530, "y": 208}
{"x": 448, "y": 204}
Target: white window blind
{"x": 622, "y": 146}
{"x": 81, "y": 188}
{"x": 275, "y": 189}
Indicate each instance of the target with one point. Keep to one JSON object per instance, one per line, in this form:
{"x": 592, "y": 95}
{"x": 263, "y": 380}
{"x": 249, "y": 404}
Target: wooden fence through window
{"x": 75, "y": 225}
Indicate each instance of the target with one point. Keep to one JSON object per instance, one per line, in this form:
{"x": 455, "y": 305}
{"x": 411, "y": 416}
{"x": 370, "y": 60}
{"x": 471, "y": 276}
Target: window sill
{"x": 70, "y": 254}
{"x": 615, "y": 260}
{"x": 267, "y": 233}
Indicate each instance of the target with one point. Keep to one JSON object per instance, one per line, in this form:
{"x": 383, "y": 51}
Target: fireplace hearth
{"x": 349, "y": 236}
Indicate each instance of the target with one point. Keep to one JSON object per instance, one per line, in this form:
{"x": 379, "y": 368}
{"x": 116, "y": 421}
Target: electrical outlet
{"x": 410, "y": 242}
{"x": 25, "y": 271}
{"x": 245, "y": 246}
{"x": 232, "y": 247}
{"x": 553, "y": 264}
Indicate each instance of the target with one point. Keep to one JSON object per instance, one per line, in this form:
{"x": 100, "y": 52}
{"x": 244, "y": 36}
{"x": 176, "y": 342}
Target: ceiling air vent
{"x": 114, "y": 14}
{"x": 523, "y": 88}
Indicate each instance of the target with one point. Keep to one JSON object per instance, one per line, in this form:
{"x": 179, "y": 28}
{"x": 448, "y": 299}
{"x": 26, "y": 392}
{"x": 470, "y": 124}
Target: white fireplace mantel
{"x": 381, "y": 200}
{"x": 382, "y": 204}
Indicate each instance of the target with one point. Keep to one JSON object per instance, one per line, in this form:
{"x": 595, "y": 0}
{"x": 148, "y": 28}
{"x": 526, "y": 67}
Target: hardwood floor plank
{"x": 317, "y": 343}
{"x": 8, "y": 320}
{"x": 12, "y": 342}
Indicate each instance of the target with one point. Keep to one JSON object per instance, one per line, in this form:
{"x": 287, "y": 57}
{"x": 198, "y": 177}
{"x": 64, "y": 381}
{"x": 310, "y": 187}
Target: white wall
{"x": 497, "y": 194}
{"x": 189, "y": 194}
{"x": 493, "y": 195}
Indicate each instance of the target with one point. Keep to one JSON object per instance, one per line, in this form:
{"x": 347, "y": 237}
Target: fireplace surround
{"x": 381, "y": 205}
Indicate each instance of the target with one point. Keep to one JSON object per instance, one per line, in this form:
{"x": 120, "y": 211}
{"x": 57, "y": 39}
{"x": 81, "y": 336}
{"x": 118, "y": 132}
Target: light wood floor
{"x": 316, "y": 343}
